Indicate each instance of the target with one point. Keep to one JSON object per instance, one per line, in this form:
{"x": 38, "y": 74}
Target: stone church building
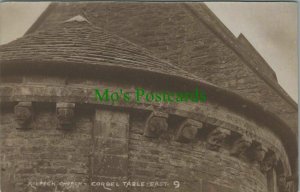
{"x": 56, "y": 136}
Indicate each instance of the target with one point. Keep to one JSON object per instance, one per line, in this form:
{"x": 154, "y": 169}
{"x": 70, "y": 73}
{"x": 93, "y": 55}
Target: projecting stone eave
{"x": 231, "y": 99}
{"x": 23, "y": 66}
{"x": 214, "y": 93}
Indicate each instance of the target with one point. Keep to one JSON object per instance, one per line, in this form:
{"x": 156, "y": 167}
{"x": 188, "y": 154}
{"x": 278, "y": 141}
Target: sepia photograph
{"x": 149, "y": 96}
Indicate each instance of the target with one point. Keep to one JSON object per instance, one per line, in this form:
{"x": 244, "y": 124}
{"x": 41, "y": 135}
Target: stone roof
{"x": 191, "y": 37}
{"x": 76, "y": 40}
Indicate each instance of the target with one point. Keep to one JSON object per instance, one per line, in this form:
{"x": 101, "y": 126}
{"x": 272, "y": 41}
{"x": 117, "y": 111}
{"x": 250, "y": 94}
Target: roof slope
{"x": 191, "y": 37}
{"x": 77, "y": 40}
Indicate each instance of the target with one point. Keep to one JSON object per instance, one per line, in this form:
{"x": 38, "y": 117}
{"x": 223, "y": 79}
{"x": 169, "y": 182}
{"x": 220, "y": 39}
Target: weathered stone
{"x": 65, "y": 115}
{"x": 188, "y": 130}
{"x": 215, "y": 187}
{"x": 269, "y": 162}
{"x": 240, "y": 145}
{"x": 216, "y": 138}
{"x": 259, "y": 152}
{"x": 23, "y": 114}
{"x": 107, "y": 141}
{"x": 110, "y": 141}
{"x": 283, "y": 185}
{"x": 156, "y": 124}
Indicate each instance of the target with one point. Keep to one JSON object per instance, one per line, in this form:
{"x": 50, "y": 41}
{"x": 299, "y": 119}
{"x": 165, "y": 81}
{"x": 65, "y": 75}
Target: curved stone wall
{"x": 53, "y": 129}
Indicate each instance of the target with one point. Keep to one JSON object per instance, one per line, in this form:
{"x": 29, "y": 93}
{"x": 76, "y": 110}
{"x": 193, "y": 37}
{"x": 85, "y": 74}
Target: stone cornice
{"x": 224, "y": 97}
{"x": 67, "y": 96}
{"x": 231, "y": 99}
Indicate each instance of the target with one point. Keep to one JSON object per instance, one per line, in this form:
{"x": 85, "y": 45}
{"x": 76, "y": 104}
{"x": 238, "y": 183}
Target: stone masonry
{"x": 56, "y": 136}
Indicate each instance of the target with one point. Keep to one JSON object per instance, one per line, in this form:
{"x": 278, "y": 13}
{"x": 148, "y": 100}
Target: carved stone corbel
{"x": 216, "y": 138}
{"x": 188, "y": 130}
{"x": 23, "y": 114}
{"x": 269, "y": 162}
{"x": 156, "y": 124}
{"x": 283, "y": 185}
{"x": 259, "y": 152}
{"x": 240, "y": 145}
{"x": 65, "y": 115}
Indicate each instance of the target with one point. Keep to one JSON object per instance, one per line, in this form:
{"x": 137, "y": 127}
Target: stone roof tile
{"x": 77, "y": 40}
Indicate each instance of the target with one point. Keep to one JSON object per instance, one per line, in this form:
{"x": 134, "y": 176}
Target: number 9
{"x": 176, "y": 184}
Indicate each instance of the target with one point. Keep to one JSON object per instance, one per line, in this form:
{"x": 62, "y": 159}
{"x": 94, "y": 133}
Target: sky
{"x": 271, "y": 27}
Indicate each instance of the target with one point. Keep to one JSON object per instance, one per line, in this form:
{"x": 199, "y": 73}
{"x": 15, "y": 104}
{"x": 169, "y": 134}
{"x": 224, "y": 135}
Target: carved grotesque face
{"x": 189, "y": 131}
{"x": 259, "y": 153}
{"x": 156, "y": 126}
{"x": 22, "y": 115}
{"x": 240, "y": 146}
{"x": 65, "y": 116}
{"x": 217, "y": 137}
{"x": 269, "y": 162}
